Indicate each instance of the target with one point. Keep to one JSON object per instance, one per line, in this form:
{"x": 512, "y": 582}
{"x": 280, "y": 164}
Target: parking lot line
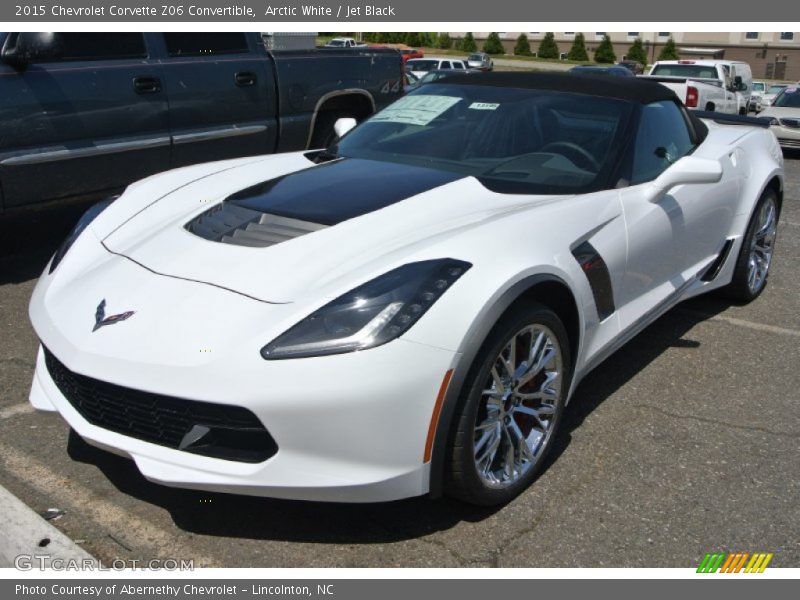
{"x": 22, "y": 408}
{"x": 744, "y": 323}
{"x": 85, "y": 504}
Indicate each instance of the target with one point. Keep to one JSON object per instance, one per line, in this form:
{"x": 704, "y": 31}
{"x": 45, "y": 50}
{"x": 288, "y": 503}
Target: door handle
{"x": 245, "y": 78}
{"x": 146, "y": 85}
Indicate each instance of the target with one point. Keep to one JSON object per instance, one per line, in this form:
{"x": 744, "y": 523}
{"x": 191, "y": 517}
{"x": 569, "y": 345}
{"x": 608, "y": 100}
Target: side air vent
{"x": 232, "y": 224}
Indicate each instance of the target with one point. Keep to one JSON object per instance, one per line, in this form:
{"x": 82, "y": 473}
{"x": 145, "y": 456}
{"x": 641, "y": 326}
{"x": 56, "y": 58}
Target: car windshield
{"x": 674, "y": 70}
{"x": 758, "y": 87}
{"x": 475, "y": 57}
{"x": 336, "y": 43}
{"x": 790, "y": 98}
{"x": 423, "y": 65}
{"x": 775, "y": 89}
{"x": 513, "y": 140}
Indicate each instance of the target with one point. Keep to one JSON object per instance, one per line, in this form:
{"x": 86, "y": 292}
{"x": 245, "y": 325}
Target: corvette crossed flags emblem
{"x": 101, "y": 320}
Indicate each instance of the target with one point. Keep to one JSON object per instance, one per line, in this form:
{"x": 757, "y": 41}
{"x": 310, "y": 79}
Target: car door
{"x": 222, "y": 101}
{"x": 671, "y": 236}
{"x": 91, "y": 117}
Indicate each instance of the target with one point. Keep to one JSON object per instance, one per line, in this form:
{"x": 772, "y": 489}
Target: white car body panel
{"x": 203, "y": 309}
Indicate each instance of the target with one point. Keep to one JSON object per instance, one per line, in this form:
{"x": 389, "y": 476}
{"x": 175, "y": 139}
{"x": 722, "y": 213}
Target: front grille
{"x": 788, "y": 143}
{"x": 218, "y": 430}
{"x": 232, "y": 224}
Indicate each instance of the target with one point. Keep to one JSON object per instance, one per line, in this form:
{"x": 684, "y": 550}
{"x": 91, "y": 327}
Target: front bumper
{"x": 788, "y": 137}
{"x": 349, "y": 428}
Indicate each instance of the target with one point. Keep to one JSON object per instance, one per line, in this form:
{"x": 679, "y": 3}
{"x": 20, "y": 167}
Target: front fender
{"x": 473, "y": 341}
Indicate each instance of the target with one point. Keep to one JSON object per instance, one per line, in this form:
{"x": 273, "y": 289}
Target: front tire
{"x": 510, "y": 408}
{"x": 755, "y": 256}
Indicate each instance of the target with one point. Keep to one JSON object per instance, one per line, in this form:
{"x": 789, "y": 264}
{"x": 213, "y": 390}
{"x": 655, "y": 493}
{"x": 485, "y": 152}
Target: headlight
{"x": 773, "y": 121}
{"x": 89, "y": 216}
{"x": 370, "y": 315}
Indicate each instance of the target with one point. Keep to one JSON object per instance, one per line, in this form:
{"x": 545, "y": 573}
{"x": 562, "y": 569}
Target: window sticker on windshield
{"x": 791, "y": 90}
{"x": 484, "y": 106}
{"x": 415, "y": 110}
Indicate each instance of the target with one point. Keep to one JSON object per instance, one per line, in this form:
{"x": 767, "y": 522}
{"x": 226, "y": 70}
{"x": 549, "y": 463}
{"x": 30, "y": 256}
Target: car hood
{"x": 280, "y": 230}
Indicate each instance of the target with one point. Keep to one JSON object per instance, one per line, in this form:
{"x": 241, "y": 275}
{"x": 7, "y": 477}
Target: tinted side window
{"x": 205, "y": 44}
{"x": 663, "y": 137}
{"x": 101, "y": 46}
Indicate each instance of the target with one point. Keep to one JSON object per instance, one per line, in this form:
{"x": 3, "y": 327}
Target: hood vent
{"x": 232, "y": 224}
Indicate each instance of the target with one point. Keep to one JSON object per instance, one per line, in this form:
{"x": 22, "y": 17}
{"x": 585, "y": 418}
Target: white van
{"x": 741, "y": 77}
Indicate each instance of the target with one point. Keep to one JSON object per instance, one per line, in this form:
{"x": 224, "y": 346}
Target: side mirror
{"x": 687, "y": 170}
{"x": 343, "y": 126}
{"x": 30, "y": 47}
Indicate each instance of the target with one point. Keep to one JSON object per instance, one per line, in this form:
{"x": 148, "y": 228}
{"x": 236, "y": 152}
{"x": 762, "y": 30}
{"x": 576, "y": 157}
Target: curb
{"x": 22, "y": 531}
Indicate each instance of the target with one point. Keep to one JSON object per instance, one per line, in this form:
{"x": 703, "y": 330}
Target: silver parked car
{"x": 480, "y": 61}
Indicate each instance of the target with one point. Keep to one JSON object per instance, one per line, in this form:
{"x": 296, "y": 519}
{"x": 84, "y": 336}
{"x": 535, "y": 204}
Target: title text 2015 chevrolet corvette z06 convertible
{"x": 409, "y": 310}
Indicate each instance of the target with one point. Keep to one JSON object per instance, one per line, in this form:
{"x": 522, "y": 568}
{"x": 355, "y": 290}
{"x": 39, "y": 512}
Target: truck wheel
{"x": 324, "y": 135}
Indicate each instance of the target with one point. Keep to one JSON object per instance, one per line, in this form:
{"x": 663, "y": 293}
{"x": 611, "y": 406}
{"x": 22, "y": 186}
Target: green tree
{"x": 493, "y": 45}
{"x": 669, "y": 51}
{"x": 548, "y": 47}
{"x": 578, "y": 50}
{"x": 523, "y": 46}
{"x": 467, "y": 43}
{"x": 445, "y": 42}
{"x": 413, "y": 39}
{"x": 637, "y": 52}
{"x": 605, "y": 51}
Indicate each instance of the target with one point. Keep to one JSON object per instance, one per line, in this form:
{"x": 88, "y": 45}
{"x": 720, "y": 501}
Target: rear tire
{"x": 510, "y": 408}
{"x": 755, "y": 256}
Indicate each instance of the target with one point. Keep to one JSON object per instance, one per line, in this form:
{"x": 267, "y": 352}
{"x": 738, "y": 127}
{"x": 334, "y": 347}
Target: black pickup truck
{"x": 83, "y": 114}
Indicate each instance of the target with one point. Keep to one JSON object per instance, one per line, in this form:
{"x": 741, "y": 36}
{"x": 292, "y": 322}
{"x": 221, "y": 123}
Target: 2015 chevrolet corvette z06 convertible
{"x": 409, "y": 310}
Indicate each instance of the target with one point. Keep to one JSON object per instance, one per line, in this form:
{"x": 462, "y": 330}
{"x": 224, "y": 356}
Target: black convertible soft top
{"x": 632, "y": 89}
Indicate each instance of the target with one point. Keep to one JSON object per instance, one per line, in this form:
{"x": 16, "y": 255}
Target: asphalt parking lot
{"x": 686, "y": 441}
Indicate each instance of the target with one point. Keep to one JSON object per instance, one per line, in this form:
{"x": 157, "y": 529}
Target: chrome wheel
{"x": 518, "y": 406}
{"x": 762, "y": 246}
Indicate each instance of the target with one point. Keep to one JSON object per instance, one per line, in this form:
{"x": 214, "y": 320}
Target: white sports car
{"x": 409, "y": 310}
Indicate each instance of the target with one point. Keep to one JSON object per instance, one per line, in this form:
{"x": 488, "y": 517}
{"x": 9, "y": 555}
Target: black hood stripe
{"x": 340, "y": 190}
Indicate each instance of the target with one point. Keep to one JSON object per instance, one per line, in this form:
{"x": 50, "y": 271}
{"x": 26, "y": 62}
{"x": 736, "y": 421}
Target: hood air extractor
{"x": 232, "y": 224}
